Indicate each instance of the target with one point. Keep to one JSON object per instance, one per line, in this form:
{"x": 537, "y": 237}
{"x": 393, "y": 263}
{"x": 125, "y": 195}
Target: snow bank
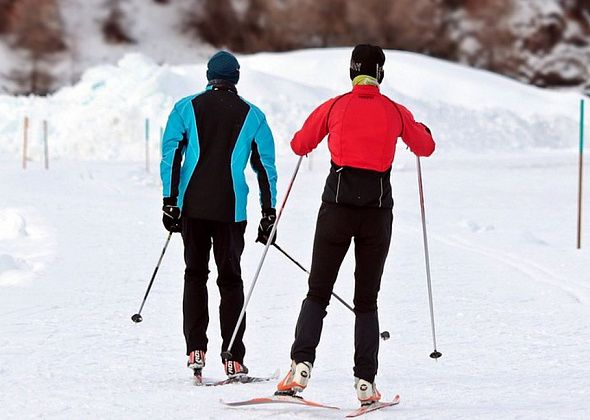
{"x": 12, "y": 225}
{"x": 7, "y": 262}
{"x": 13, "y": 271}
{"x": 103, "y": 116}
{"x": 27, "y": 243}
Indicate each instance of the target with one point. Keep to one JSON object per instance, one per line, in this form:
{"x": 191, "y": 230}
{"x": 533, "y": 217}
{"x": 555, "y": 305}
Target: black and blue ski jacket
{"x": 208, "y": 141}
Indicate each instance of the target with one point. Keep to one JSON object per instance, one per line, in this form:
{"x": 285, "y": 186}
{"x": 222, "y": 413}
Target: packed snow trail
{"x": 510, "y": 295}
{"x": 78, "y": 244}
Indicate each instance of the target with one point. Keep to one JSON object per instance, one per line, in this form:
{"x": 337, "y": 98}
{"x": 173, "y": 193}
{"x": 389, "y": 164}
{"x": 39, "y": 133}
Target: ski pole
{"x": 384, "y": 335}
{"x": 226, "y": 355}
{"x": 306, "y": 271}
{"x": 137, "y": 317}
{"x": 435, "y": 354}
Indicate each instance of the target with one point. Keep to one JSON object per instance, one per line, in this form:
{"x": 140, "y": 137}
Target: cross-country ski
{"x": 378, "y": 405}
{"x": 278, "y": 399}
{"x": 241, "y": 379}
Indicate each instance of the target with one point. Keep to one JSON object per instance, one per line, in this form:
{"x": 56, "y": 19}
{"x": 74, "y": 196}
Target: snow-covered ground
{"x": 78, "y": 244}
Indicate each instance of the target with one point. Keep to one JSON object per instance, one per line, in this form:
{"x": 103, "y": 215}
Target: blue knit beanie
{"x": 223, "y": 65}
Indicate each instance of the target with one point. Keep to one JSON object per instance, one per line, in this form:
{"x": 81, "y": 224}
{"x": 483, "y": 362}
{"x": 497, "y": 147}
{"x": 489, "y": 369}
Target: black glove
{"x": 267, "y": 222}
{"x": 171, "y": 218}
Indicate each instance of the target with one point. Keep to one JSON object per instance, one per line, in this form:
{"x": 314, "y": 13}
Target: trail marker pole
{"x": 25, "y": 141}
{"x": 580, "y": 174}
{"x": 147, "y": 145}
{"x": 45, "y": 144}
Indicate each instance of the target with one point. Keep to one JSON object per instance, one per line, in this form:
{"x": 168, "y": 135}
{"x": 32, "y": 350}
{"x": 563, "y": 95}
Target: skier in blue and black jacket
{"x": 208, "y": 141}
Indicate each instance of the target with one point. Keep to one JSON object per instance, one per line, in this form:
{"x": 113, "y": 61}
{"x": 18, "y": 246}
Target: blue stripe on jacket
{"x": 255, "y": 129}
{"x": 180, "y": 131}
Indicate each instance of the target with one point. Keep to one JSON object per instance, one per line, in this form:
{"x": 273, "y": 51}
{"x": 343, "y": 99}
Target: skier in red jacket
{"x": 362, "y": 127}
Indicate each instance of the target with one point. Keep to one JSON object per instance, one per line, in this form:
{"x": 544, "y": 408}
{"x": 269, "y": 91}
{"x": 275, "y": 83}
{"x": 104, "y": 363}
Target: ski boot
{"x": 296, "y": 379}
{"x": 366, "y": 392}
{"x": 196, "y": 362}
{"x": 235, "y": 370}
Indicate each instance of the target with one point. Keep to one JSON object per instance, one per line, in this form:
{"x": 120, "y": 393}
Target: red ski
{"x": 279, "y": 399}
{"x": 372, "y": 407}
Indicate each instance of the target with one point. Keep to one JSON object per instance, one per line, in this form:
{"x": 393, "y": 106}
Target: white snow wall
{"x": 103, "y": 116}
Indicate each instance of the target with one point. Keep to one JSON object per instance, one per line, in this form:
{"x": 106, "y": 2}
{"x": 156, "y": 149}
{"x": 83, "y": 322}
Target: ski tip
{"x": 226, "y": 403}
{"x": 378, "y": 405}
{"x": 229, "y": 403}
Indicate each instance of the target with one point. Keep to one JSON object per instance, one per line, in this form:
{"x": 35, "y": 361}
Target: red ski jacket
{"x": 363, "y": 127}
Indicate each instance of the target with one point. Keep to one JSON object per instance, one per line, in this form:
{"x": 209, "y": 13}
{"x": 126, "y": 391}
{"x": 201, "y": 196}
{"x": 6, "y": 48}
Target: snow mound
{"x": 12, "y": 225}
{"x": 103, "y": 117}
{"x": 7, "y": 262}
{"x": 12, "y": 270}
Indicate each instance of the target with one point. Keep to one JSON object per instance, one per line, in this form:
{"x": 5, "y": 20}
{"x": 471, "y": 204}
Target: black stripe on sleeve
{"x": 176, "y": 165}
{"x": 263, "y": 183}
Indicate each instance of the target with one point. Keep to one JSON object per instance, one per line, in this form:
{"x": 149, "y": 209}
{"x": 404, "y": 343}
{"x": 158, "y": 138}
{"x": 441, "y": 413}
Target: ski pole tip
{"x": 385, "y": 335}
{"x": 435, "y": 354}
{"x": 226, "y": 355}
{"x": 137, "y": 318}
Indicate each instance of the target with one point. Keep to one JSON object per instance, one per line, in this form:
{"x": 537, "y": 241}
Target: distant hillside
{"x": 88, "y": 33}
{"x": 544, "y": 42}
{"x": 48, "y": 43}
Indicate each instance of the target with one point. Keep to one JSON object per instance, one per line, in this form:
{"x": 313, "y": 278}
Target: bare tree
{"x": 216, "y": 21}
{"x": 114, "y": 27}
{"x": 37, "y": 29}
{"x": 5, "y": 12}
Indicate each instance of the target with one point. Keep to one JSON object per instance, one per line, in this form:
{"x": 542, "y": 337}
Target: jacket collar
{"x": 365, "y": 89}
{"x": 220, "y": 84}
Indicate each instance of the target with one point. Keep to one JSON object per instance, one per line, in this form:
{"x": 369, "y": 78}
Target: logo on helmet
{"x": 355, "y": 66}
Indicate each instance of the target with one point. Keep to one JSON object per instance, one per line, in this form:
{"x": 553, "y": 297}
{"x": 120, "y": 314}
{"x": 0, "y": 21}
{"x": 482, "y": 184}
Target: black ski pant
{"x": 227, "y": 240}
{"x": 336, "y": 227}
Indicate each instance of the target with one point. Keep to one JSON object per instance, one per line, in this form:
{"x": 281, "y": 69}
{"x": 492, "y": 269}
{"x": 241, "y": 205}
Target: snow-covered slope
{"x": 78, "y": 244}
{"x": 102, "y": 117}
